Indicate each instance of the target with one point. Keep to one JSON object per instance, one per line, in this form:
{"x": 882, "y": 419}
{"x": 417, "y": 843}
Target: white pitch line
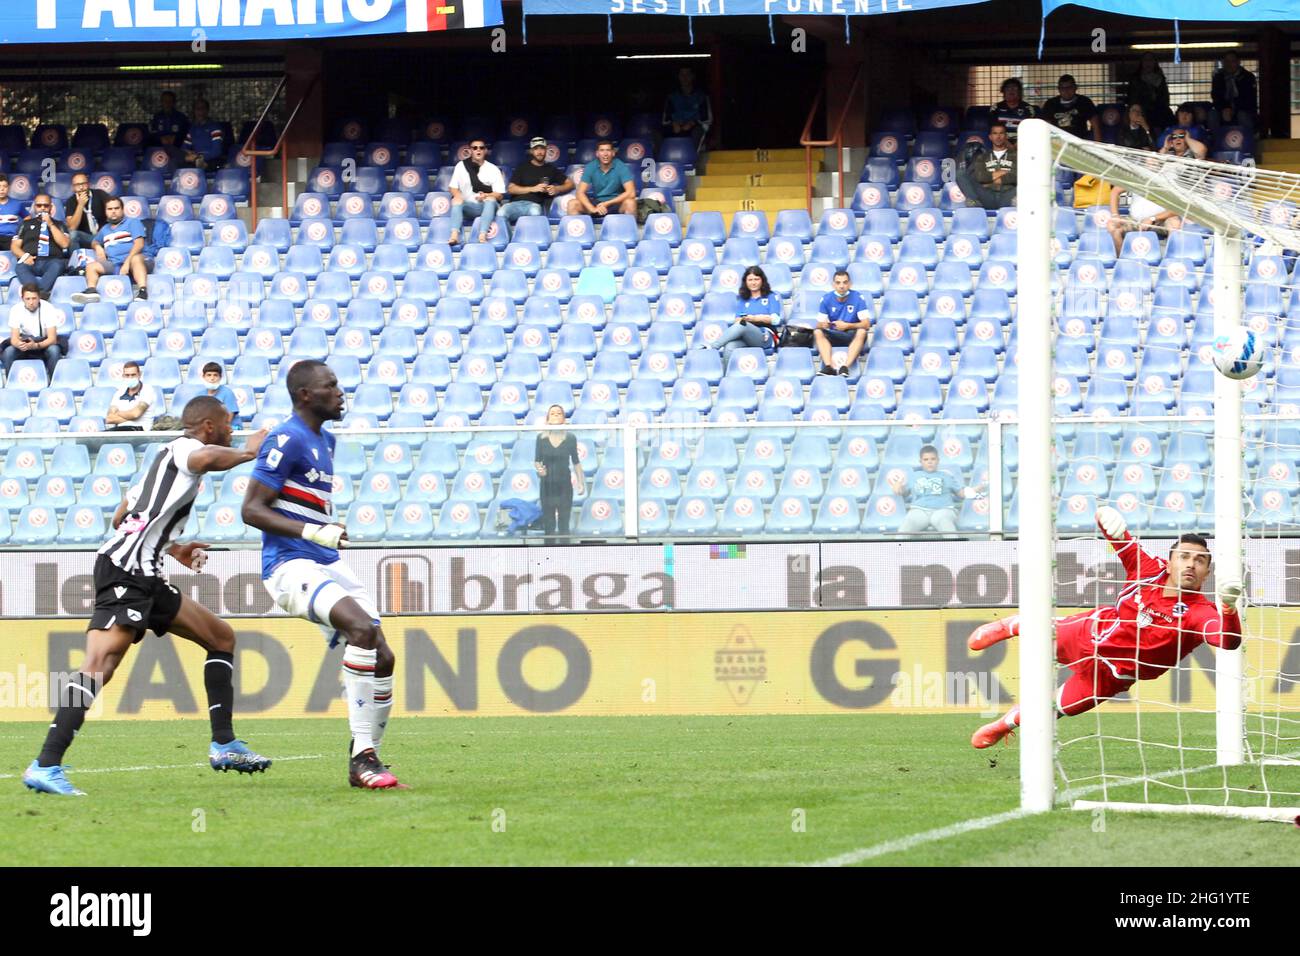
{"x": 916, "y": 839}
{"x": 983, "y": 823}
{"x": 165, "y": 766}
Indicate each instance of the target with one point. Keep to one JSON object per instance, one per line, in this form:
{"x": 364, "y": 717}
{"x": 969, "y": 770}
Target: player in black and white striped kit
{"x": 132, "y": 594}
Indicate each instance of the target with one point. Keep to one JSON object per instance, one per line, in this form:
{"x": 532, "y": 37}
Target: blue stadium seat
{"x": 883, "y": 513}
{"x": 792, "y": 514}
{"x": 37, "y": 525}
{"x": 869, "y": 197}
{"x": 274, "y": 233}
{"x": 694, "y": 515}
{"x": 233, "y": 183}
{"x": 925, "y": 170}
{"x": 678, "y": 149}
{"x": 577, "y": 229}
{"x": 600, "y": 280}
{"x": 1188, "y": 245}
{"x": 752, "y": 226}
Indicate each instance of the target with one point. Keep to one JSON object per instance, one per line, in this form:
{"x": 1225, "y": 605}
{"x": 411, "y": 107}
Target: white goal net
{"x": 1121, "y": 405}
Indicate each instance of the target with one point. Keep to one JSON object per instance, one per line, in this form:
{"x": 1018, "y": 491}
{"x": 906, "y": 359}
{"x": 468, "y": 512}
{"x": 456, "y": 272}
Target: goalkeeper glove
{"x": 1229, "y": 593}
{"x": 326, "y": 535}
{"x": 1111, "y": 522}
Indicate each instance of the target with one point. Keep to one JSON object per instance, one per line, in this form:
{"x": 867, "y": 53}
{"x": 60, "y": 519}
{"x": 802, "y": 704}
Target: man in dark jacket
{"x": 41, "y": 246}
{"x": 84, "y": 212}
{"x": 989, "y": 180}
{"x": 1235, "y": 95}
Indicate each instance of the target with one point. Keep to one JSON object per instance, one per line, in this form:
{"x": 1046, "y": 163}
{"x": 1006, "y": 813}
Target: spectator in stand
{"x": 169, "y": 125}
{"x": 554, "y": 452}
{"x": 84, "y": 212}
{"x": 1149, "y": 89}
{"x": 477, "y": 178}
{"x": 989, "y": 181}
{"x": 1185, "y": 119}
{"x": 1143, "y": 214}
{"x": 136, "y": 406}
{"x": 1013, "y": 107}
{"x": 33, "y": 331}
{"x": 119, "y": 248}
{"x": 533, "y": 180}
{"x": 222, "y": 393}
{"x": 607, "y": 186}
{"x": 932, "y": 496}
{"x": 1235, "y": 94}
{"x": 11, "y": 213}
{"x": 758, "y": 317}
{"x": 1071, "y": 111}
{"x": 845, "y": 319}
{"x": 1180, "y": 142}
{"x": 1136, "y": 134}
{"x": 41, "y": 246}
{"x": 687, "y": 111}
{"x": 205, "y": 140}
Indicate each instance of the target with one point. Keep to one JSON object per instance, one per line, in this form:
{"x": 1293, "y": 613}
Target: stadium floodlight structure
{"x": 1252, "y": 774}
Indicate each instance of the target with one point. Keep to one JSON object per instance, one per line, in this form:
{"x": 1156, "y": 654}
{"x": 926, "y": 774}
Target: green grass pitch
{"x": 601, "y": 791}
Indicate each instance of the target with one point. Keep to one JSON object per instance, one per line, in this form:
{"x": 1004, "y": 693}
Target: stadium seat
{"x": 274, "y": 233}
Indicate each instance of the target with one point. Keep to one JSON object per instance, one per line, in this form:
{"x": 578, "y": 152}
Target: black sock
{"x": 76, "y": 695}
{"x": 219, "y": 679}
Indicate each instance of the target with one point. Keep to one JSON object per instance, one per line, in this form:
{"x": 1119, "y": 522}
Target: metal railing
{"x": 277, "y": 149}
{"x": 635, "y": 450}
{"x": 836, "y": 140}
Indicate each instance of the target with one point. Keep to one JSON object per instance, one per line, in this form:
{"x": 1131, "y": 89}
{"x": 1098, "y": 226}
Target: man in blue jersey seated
{"x": 288, "y": 500}
{"x": 844, "y": 321}
{"x": 118, "y": 246}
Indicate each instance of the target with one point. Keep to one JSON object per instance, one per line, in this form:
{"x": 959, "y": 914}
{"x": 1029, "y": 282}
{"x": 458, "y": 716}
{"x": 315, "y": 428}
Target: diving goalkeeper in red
{"x": 1161, "y": 616}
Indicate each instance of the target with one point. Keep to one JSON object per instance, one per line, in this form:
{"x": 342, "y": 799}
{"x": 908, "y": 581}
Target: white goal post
{"x": 1235, "y": 215}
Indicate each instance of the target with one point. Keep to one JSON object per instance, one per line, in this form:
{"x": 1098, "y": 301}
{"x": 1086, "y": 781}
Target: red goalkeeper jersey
{"x": 1145, "y": 633}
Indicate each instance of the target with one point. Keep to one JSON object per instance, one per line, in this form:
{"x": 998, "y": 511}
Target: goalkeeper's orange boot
{"x": 986, "y": 635}
{"x": 999, "y": 729}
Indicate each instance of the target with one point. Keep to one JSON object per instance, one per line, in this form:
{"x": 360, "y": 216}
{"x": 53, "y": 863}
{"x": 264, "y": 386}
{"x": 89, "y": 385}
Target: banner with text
{"x": 188, "y": 21}
{"x": 736, "y": 8}
{"x": 649, "y": 577}
{"x": 651, "y": 664}
{"x": 1219, "y": 10}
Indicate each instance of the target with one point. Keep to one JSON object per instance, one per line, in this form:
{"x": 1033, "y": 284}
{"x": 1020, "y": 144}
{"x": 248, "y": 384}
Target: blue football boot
{"x": 50, "y": 780}
{"x": 236, "y": 756}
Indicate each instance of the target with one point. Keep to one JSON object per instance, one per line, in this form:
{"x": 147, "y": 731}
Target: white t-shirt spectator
{"x": 36, "y": 324}
{"x": 124, "y": 402}
{"x": 488, "y": 175}
{"x": 1141, "y": 208}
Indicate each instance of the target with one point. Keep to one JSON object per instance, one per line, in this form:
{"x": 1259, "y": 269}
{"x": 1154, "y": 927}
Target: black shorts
{"x": 840, "y": 337}
{"x": 132, "y": 600}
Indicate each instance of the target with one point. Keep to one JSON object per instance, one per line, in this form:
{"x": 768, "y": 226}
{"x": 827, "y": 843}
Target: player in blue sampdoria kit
{"x": 288, "y": 500}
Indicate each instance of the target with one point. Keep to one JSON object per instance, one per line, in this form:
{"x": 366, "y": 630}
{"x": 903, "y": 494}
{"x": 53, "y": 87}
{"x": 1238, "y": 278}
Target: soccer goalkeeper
{"x": 1161, "y": 617}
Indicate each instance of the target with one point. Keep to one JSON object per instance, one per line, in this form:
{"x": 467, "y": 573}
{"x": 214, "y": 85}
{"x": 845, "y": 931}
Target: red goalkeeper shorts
{"x": 1091, "y": 678}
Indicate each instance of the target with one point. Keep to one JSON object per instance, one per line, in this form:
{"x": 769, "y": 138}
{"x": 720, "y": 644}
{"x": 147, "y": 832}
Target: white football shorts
{"x": 308, "y": 590}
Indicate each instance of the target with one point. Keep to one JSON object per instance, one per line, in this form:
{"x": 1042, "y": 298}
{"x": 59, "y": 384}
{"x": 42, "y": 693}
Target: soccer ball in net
{"x": 1239, "y": 354}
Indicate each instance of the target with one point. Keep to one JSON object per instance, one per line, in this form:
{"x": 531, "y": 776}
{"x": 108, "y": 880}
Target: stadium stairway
{"x": 752, "y": 180}
{"x": 1280, "y": 154}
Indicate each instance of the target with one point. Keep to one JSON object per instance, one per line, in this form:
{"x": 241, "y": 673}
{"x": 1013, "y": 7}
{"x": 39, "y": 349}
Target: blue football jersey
{"x": 846, "y": 309}
{"x": 299, "y": 464}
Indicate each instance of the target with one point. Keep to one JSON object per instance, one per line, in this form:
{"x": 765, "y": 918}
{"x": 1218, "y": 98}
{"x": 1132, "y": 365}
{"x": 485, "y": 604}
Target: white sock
{"x": 359, "y": 685}
{"x": 383, "y": 705}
